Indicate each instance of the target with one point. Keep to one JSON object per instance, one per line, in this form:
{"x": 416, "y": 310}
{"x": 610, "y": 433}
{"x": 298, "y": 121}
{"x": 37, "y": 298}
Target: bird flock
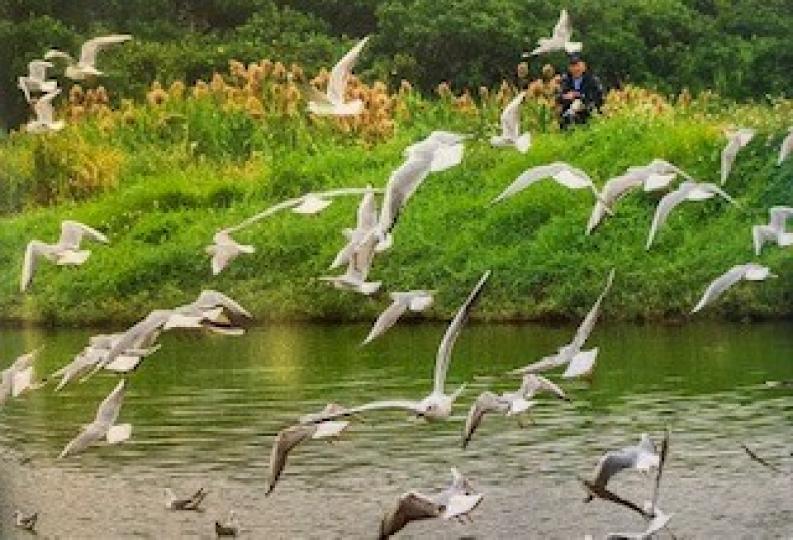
{"x": 370, "y": 235}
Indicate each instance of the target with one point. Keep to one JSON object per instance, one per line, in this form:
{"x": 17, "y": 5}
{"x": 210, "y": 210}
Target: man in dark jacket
{"x": 580, "y": 93}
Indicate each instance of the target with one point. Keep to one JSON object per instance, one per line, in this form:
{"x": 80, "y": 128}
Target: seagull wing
{"x": 778, "y": 216}
{"x": 109, "y": 409}
{"x": 93, "y": 46}
{"x": 72, "y": 233}
{"x": 485, "y": 403}
{"x": 510, "y": 118}
{"x": 410, "y": 507}
{"x": 444, "y": 355}
{"x": 563, "y": 31}
{"x": 403, "y": 183}
{"x": 613, "y": 462}
{"x": 341, "y": 72}
{"x": 367, "y": 212}
{"x": 529, "y": 177}
{"x": 613, "y": 190}
{"x": 285, "y": 441}
{"x": 402, "y": 405}
{"x": 728, "y": 155}
{"x": 143, "y": 331}
{"x": 45, "y": 113}
{"x": 721, "y": 284}
{"x": 667, "y": 203}
{"x": 586, "y": 326}
{"x": 533, "y": 384}
{"x": 34, "y": 250}
{"x": 37, "y": 70}
{"x": 209, "y": 299}
{"x": 387, "y": 319}
{"x": 786, "y": 148}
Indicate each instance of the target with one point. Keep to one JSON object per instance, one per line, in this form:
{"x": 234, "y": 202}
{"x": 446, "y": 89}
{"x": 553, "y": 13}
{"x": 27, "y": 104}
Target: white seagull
{"x": 641, "y": 457}
{"x": 510, "y": 127}
{"x": 365, "y": 223}
{"x": 85, "y": 67}
{"x": 225, "y": 249}
{"x": 65, "y": 252}
{"x": 416, "y": 301}
{"x": 17, "y": 377}
{"x": 562, "y": 173}
{"x": 332, "y": 102}
{"x": 786, "y": 148}
{"x": 36, "y": 80}
{"x": 559, "y": 40}
{"x": 446, "y": 147}
{"x": 45, "y": 115}
{"x": 735, "y": 141}
{"x": 687, "y": 191}
{"x": 104, "y": 425}
{"x": 437, "y": 405}
{"x": 508, "y": 403}
{"x": 748, "y": 272}
{"x": 358, "y": 267}
{"x": 579, "y": 363}
{"x": 774, "y": 231}
{"x": 656, "y": 175}
{"x": 455, "y": 502}
{"x": 211, "y": 310}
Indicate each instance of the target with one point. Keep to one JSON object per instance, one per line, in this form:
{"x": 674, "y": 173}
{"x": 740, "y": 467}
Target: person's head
{"x": 576, "y": 66}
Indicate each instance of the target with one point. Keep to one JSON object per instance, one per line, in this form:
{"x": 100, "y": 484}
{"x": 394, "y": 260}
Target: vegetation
{"x": 162, "y": 174}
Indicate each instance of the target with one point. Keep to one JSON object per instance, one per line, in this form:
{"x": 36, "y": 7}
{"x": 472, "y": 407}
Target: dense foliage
{"x": 739, "y": 48}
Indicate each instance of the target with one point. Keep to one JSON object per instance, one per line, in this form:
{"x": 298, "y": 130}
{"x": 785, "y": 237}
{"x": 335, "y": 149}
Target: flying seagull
{"x": 749, "y": 272}
{"x": 786, "y": 148}
{"x": 26, "y": 522}
{"x": 211, "y": 310}
{"x": 366, "y": 220}
{"x": 191, "y": 503}
{"x": 446, "y": 147}
{"x": 231, "y": 527}
{"x": 656, "y": 175}
{"x": 579, "y": 363}
{"x": 45, "y": 114}
{"x": 455, "y": 502}
{"x": 104, "y": 425}
{"x": 687, "y": 191}
{"x": 85, "y": 67}
{"x": 225, "y": 249}
{"x": 332, "y": 102}
{"x": 36, "y": 80}
{"x": 510, "y": 127}
{"x": 65, "y": 252}
{"x": 358, "y": 267}
{"x": 735, "y": 141}
{"x": 437, "y": 405}
{"x": 641, "y": 457}
{"x": 418, "y": 300}
{"x": 562, "y": 173}
{"x": 18, "y": 377}
{"x": 508, "y": 403}
{"x": 774, "y": 231}
{"x": 287, "y": 439}
{"x": 559, "y": 40}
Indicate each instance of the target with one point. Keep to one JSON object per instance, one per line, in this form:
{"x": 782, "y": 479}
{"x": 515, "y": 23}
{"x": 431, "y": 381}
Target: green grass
{"x": 179, "y": 179}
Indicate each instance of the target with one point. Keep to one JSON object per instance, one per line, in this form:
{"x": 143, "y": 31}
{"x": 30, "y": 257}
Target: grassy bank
{"x": 160, "y": 177}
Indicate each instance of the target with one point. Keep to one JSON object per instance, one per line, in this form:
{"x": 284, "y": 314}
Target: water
{"x": 205, "y": 410}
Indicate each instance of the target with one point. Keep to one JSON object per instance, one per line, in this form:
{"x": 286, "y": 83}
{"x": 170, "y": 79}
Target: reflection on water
{"x": 205, "y": 408}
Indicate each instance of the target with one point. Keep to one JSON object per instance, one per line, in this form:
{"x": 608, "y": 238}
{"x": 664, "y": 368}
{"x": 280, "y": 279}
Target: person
{"x": 580, "y": 93}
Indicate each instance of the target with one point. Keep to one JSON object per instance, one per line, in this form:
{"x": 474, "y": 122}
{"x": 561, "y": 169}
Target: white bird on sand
{"x": 508, "y": 403}
{"x": 437, "y": 405}
{"x": 579, "y": 363}
{"x": 642, "y": 457}
{"x": 358, "y": 267}
{"x": 366, "y": 220}
{"x": 455, "y": 502}
{"x": 735, "y": 141}
{"x": 332, "y": 102}
{"x": 447, "y": 149}
{"x": 231, "y": 527}
{"x": 510, "y": 127}
{"x": 288, "y": 438}
{"x": 656, "y": 175}
{"x": 748, "y": 272}
{"x": 191, "y": 503}
{"x": 85, "y": 66}
{"x": 562, "y": 173}
{"x": 36, "y": 80}
{"x": 225, "y": 249}
{"x": 26, "y": 522}
{"x": 415, "y": 301}
{"x": 559, "y": 40}
{"x": 786, "y": 148}
{"x": 775, "y": 230}
{"x": 687, "y": 191}
{"x": 104, "y": 425}
{"x": 17, "y": 377}
{"x": 65, "y": 252}
{"x": 45, "y": 115}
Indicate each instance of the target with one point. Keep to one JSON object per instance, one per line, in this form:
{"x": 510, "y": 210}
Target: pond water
{"x": 205, "y": 410}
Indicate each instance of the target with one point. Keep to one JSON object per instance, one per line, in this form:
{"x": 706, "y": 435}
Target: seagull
{"x": 18, "y": 377}
{"x": 85, "y": 67}
{"x": 45, "y": 115}
{"x": 654, "y": 176}
{"x": 687, "y": 191}
{"x": 446, "y": 147}
{"x": 735, "y": 141}
{"x": 455, "y": 502}
{"x": 775, "y": 230}
{"x": 36, "y": 79}
{"x": 104, "y": 425}
{"x": 230, "y": 528}
{"x": 579, "y": 363}
{"x": 559, "y": 40}
{"x": 508, "y": 403}
{"x": 749, "y": 272}
{"x": 26, "y": 522}
{"x": 65, "y": 252}
{"x": 225, "y": 249}
{"x": 365, "y": 223}
{"x": 358, "y": 267}
{"x": 417, "y": 300}
{"x": 208, "y": 311}
{"x": 191, "y": 503}
{"x": 786, "y": 148}
{"x": 510, "y": 127}
{"x": 654, "y": 526}
{"x": 288, "y": 438}
{"x": 562, "y": 173}
{"x": 642, "y": 457}
{"x": 332, "y": 102}
{"x": 437, "y": 405}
